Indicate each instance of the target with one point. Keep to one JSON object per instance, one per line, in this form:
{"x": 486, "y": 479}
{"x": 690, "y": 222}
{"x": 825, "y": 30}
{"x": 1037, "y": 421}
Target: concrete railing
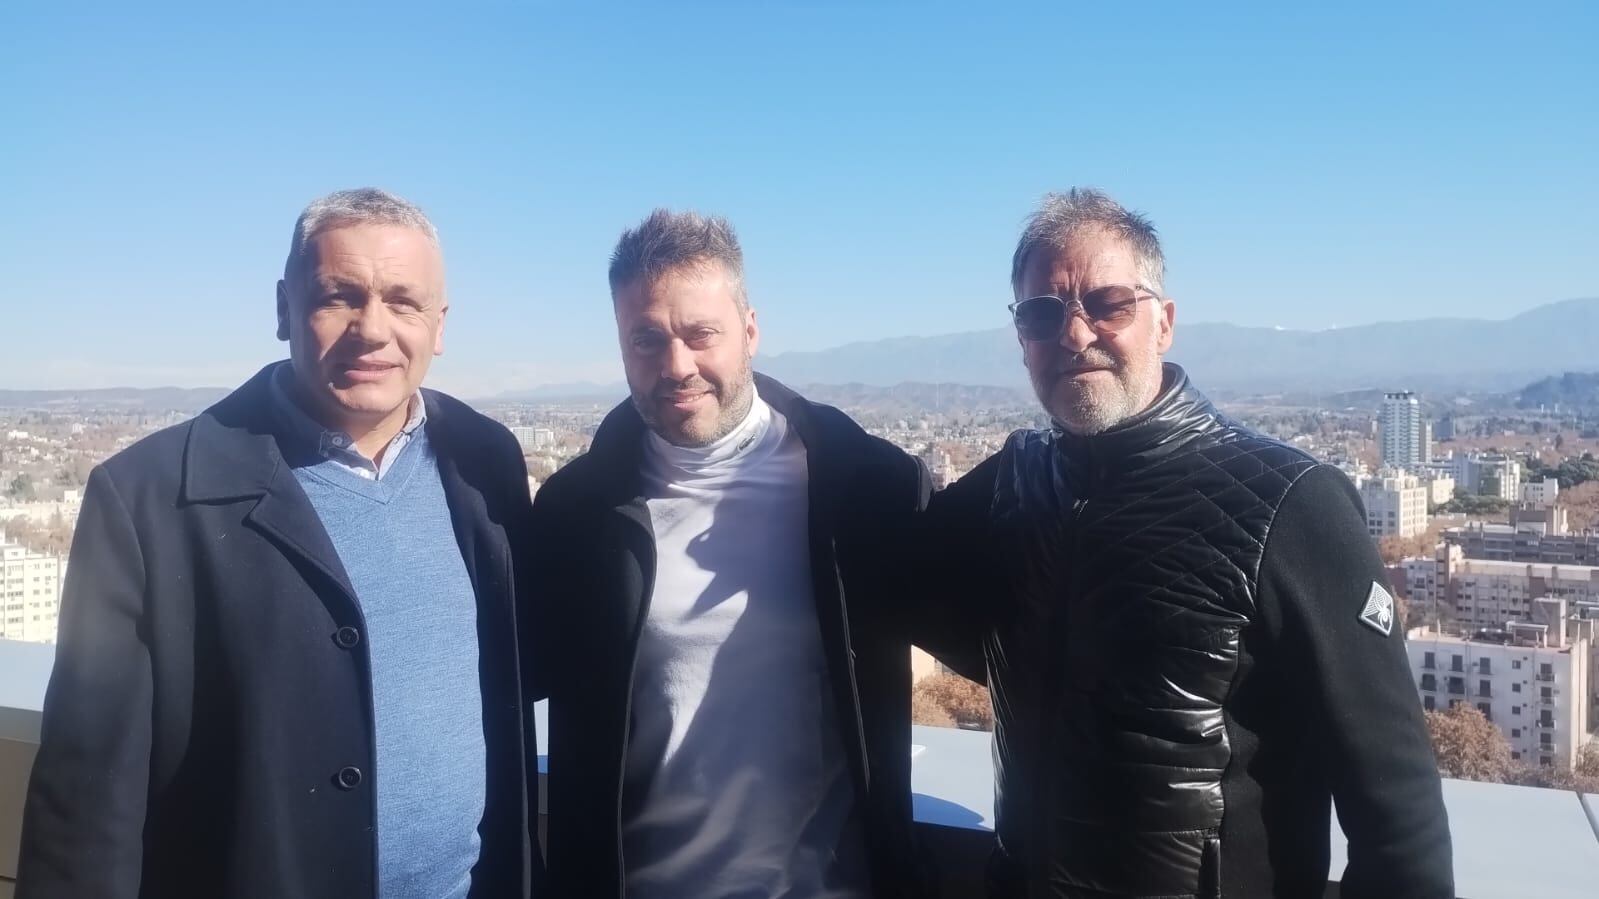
{"x": 1510, "y": 842}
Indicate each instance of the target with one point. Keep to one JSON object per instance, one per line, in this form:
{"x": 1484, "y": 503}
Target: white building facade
{"x": 1402, "y": 434}
{"x": 1531, "y": 681}
{"x": 1396, "y": 504}
{"x": 1488, "y": 474}
{"x": 30, "y": 593}
{"x": 1541, "y": 494}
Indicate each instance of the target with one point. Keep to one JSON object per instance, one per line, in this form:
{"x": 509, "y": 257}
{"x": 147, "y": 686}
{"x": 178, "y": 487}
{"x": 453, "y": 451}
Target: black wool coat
{"x": 208, "y": 726}
{"x": 594, "y": 565}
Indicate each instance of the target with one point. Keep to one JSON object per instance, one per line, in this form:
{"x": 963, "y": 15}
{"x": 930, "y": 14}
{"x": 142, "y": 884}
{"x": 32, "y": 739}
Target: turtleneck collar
{"x": 742, "y": 444}
{"x": 1178, "y": 415}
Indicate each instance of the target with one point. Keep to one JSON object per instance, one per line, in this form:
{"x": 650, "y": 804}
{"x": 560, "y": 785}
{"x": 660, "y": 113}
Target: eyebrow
{"x": 323, "y": 282}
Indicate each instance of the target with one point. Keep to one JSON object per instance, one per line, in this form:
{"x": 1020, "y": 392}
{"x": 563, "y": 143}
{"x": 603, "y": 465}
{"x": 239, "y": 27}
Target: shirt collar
{"x": 307, "y": 435}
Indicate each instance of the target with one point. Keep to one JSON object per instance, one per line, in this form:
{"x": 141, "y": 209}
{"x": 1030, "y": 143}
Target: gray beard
{"x": 1089, "y": 412}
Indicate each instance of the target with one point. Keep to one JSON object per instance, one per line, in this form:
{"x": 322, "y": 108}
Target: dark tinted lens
{"x": 1040, "y": 318}
{"x": 1112, "y": 308}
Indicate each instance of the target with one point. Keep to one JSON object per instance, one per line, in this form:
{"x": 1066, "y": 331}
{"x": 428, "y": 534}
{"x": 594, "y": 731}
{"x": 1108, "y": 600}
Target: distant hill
{"x": 1572, "y": 390}
{"x": 1426, "y": 354}
{"x": 153, "y": 399}
{"x": 577, "y": 391}
{"x": 1437, "y": 356}
{"x": 909, "y": 398}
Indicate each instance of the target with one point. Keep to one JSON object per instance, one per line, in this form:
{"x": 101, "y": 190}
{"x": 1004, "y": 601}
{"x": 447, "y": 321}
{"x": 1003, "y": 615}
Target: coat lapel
{"x": 463, "y": 475}
{"x": 233, "y": 454}
{"x": 285, "y": 515}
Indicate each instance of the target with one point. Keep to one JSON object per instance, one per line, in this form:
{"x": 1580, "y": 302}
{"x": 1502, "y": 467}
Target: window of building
{"x": 1429, "y": 660}
{"x": 1515, "y": 688}
{"x": 1485, "y": 688}
{"x": 1486, "y": 710}
{"x": 1515, "y": 756}
{"x": 1428, "y": 703}
{"x": 1483, "y": 667}
{"x": 1515, "y": 733}
{"x": 1515, "y": 664}
{"x": 1515, "y": 710}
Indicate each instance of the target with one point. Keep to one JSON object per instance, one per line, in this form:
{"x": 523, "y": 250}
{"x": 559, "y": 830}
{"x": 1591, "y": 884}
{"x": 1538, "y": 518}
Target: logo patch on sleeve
{"x": 1378, "y": 613}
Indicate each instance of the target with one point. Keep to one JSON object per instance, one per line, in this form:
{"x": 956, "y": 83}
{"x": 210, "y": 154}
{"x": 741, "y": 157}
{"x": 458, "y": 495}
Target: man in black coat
{"x": 729, "y": 683}
{"x": 1192, "y": 649}
{"x": 287, "y": 663}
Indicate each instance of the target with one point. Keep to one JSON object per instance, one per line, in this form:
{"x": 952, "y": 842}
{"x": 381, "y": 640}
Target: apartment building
{"x": 1540, "y": 494}
{"x": 30, "y": 593}
{"x": 1404, "y": 437}
{"x": 1486, "y": 594}
{"x": 1396, "y": 504}
{"x": 1506, "y": 543}
{"x": 1488, "y": 474}
{"x": 1531, "y": 678}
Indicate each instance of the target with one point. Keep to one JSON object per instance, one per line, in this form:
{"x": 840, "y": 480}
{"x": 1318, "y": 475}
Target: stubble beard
{"x": 733, "y": 399}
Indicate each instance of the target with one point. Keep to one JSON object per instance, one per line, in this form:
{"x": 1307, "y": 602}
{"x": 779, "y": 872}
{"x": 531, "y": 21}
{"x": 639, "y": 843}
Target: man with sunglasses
{"x": 1190, "y": 643}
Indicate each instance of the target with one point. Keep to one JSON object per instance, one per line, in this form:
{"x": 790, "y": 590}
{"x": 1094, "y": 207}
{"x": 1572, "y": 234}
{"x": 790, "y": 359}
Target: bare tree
{"x": 1468, "y": 746}
{"x": 966, "y": 703}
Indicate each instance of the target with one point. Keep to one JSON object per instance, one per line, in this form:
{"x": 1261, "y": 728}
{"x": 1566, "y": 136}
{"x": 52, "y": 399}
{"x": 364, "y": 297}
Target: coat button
{"x": 347, "y": 637}
{"x": 349, "y": 777}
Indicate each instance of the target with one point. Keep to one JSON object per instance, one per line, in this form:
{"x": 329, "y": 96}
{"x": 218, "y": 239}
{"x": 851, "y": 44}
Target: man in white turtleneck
{"x": 737, "y": 771}
{"x": 729, "y": 692}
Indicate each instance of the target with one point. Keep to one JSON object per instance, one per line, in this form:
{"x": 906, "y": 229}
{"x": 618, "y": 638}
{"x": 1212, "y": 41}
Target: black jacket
{"x": 1182, "y": 678}
{"x": 208, "y": 726}
{"x": 595, "y": 564}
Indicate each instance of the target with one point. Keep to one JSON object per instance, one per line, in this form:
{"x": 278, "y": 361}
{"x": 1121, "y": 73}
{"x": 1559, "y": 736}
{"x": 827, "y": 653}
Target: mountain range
{"x": 1436, "y": 355}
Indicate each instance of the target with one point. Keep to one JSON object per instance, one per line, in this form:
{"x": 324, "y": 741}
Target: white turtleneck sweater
{"x": 736, "y": 783}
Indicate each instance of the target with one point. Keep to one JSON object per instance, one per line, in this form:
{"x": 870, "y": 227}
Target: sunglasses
{"x": 1107, "y": 310}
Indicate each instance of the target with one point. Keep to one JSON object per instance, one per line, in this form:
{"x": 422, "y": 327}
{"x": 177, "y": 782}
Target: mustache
{"x": 1089, "y": 358}
{"x": 684, "y": 388}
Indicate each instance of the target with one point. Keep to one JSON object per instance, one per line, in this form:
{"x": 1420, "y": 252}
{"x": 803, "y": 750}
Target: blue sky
{"x": 1308, "y": 168}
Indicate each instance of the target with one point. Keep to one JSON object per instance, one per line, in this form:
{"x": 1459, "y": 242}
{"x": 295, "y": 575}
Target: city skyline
{"x": 1307, "y": 168}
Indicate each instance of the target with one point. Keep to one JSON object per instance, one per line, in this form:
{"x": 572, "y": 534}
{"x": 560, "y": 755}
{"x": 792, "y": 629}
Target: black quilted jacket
{"x": 1182, "y": 677}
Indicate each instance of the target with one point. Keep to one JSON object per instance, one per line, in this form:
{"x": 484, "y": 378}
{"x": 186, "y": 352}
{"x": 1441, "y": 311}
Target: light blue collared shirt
{"x": 337, "y": 446}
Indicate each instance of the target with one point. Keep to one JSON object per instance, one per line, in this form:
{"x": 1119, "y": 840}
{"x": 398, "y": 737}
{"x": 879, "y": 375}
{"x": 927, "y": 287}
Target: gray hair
{"x": 363, "y": 205}
{"x": 669, "y": 241}
{"x": 1060, "y": 217}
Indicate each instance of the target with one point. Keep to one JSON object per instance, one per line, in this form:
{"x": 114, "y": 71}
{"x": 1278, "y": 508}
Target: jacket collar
{"x": 235, "y": 448}
{"x": 232, "y": 451}
{"x": 1177, "y": 417}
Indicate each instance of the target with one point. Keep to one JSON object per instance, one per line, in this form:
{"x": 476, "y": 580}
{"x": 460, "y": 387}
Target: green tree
{"x": 21, "y": 488}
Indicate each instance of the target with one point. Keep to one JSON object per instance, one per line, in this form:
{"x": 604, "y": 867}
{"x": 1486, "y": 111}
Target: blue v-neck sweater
{"x": 398, "y": 547}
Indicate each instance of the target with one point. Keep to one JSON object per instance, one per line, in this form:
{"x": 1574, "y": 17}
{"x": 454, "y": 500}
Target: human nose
{"x": 371, "y": 324}
{"x": 1077, "y": 334}
{"x": 678, "y": 365}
